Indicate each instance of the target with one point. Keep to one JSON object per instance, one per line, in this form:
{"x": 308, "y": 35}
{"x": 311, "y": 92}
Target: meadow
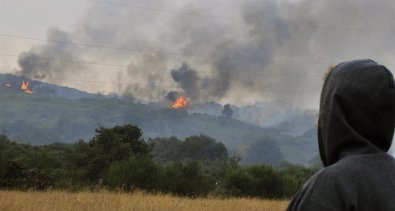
{"x": 105, "y": 200}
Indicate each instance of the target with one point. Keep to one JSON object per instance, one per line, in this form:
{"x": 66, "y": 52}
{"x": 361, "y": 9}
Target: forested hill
{"x": 41, "y": 118}
{"x": 11, "y": 83}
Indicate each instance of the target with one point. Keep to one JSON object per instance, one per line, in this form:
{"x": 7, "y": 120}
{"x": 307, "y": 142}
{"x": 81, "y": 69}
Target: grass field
{"x": 104, "y": 200}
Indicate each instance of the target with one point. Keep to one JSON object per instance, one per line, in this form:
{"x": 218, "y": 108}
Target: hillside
{"x": 67, "y": 115}
{"x": 11, "y": 83}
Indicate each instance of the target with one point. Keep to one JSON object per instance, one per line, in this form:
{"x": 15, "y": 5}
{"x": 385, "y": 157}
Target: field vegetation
{"x": 119, "y": 159}
{"x": 104, "y": 200}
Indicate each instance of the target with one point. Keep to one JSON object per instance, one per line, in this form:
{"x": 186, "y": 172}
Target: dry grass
{"x": 104, "y": 200}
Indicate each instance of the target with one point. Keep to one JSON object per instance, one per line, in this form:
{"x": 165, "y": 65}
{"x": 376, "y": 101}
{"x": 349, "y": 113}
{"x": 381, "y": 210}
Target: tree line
{"x": 119, "y": 158}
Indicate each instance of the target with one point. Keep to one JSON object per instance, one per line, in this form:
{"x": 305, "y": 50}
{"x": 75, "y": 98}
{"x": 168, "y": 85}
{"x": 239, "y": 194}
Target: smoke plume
{"x": 55, "y": 59}
{"x": 242, "y": 52}
{"x": 188, "y": 80}
{"x": 172, "y": 96}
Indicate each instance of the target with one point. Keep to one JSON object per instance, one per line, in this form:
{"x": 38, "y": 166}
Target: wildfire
{"x": 25, "y": 87}
{"x": 180, "y": 103}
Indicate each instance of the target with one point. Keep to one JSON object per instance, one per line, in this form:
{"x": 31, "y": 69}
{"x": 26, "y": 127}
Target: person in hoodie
{"x": 355, "y": 130}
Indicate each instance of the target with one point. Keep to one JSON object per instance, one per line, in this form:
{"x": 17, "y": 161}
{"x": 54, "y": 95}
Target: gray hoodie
{"x": 355, "y": 130}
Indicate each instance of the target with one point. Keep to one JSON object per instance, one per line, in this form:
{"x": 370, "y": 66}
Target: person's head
{"x": 357, "y": 110}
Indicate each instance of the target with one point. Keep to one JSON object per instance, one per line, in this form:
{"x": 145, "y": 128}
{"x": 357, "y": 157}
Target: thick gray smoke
{"x": 56, "y": 59}
{"x": 172, "y": 96}
{"x": 188, "y": 80}
{"x": 198, "y": 89}
{"x": 242, "y": 52}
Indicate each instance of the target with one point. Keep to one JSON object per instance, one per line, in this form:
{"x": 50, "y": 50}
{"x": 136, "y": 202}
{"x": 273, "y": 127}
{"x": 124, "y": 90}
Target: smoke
{"x": 172, "y": 96}
{"x": 242, "y": 52}
{"x": 188, "y": 80}
{"x": 234, "y": 62}
{"x": 54, "y": 59}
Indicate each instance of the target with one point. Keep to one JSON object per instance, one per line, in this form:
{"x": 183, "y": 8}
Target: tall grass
{"x": 104, "y": 200}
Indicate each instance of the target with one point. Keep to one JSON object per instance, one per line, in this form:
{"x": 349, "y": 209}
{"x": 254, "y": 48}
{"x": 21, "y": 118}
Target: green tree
{"x": 120, "y": 142}
{"x": 166, "y": 150}
{"x": 109, "y": 145}
{"x": 294, "y": 176}
{"x": 15, "y": 175}
{"x": 141, "y": 173}
{"x": 227, "y": 111}
{"x": 258, "y": 181}
{"x": 4, "y": 145}
{"x": 194, "y": 148}
{"x": 186, "y": 179}
{"x": 204, "y": 148}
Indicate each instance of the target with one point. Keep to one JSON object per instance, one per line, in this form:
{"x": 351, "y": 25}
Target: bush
{"x": 256, "y": 181}
{"x": 294, "y": 177}
{"x": 109, "y": 145}
{"x": 119, "y": 158}
{"x": 141, "y": 173}
{"x": 186, "y": 179}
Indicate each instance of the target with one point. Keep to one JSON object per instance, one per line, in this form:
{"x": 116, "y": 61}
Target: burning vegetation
{"x": 25, "y": 87}
{"x": 180, "y": 103}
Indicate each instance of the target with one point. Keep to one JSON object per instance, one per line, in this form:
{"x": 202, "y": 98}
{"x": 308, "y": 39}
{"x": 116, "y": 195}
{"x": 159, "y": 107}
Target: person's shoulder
{"x": 328, "y": 174}
{"x": 345, "y": 172}
{"x": 338, "y": 185}
{"x": 334, "y": 175}
{"x": 342, "y": 169}
{"x": 361, "y": 163}
{"x": 348, "y": 169}
{"x": 317, "y": 192}
{"x": 316, "y": 179}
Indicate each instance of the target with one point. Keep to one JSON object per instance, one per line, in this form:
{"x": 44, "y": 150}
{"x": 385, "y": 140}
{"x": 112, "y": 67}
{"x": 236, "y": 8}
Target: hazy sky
{"x": 229, "y": 51}
{"x": 33, "y": 18}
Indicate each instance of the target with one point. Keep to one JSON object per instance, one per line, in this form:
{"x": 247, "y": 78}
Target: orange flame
{"x": 25, "y": 87}
{"x": 180, "y": 103}
{"x": 28, "y": 91}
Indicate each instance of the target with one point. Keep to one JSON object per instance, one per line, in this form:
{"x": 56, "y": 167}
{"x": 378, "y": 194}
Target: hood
{"x": 357, "y": 111}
